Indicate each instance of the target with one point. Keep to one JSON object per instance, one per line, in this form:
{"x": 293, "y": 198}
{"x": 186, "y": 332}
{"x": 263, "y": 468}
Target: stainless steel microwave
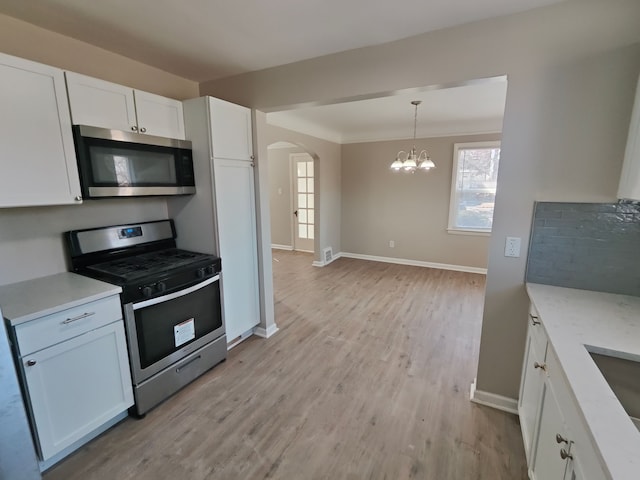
{"x": 113, "y": 163}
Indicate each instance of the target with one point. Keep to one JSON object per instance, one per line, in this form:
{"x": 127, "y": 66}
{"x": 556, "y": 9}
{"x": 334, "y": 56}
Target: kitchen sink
{"x": 623, "y": 376}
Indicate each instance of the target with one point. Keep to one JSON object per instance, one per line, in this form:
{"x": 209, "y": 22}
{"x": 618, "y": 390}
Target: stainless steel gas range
{"x": 171, "y": 303}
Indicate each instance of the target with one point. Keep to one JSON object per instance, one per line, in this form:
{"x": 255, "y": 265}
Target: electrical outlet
{"x": 392, "y": 244}
{"x": 512, "y": 247}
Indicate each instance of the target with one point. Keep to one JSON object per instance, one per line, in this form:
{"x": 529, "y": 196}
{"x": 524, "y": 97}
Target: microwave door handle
{"x": 171, "y": 296}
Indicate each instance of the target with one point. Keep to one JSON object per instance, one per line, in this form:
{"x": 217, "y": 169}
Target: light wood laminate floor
{"x": 368, "y": 378}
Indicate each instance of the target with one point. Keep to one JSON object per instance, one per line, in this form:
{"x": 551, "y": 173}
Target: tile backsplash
{"x": 591, "y": 246}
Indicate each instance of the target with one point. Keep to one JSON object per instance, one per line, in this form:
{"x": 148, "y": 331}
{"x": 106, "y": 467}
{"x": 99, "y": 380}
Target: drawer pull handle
{"x": 564, "y": 454}
{"x": 31, "y": 363}
{"x": 541, "y": 366}
{"x": 534, "y": 319}
{"x": 561, "y": 439}
{"x": 188, "y": 363}
{"x": 79, "y": 317}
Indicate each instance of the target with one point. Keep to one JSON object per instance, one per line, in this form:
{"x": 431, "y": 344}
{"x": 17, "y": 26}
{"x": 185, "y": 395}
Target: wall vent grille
{"x": 328, "y": 254}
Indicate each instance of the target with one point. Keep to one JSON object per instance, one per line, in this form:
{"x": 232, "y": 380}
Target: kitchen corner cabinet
{"x": 629, "y": 187}
{"x": 37, "y": 154}
{"x": 99, "y": 103}
{"x": 75, "y": 368}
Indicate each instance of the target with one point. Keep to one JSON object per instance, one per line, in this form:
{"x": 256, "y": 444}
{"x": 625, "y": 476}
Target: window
{"x": 473, "y": 187}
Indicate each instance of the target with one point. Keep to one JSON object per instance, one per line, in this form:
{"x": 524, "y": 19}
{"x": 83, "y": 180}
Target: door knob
{"x": 296, "y": 213}
{"x": 31, "y": 363}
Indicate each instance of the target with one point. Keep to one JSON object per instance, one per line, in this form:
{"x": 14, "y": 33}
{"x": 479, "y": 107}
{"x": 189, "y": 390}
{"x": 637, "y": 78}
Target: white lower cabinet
{"x": 533, "y": 375}
{"x": 556, "y": 441}
{"x": 551, "y": 439}
{"x": 79, "y": 382}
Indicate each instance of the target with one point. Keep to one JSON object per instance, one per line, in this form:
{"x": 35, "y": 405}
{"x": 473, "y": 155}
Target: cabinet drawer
{"x": 538, "y": 335}
{"x": 58, "y": 327}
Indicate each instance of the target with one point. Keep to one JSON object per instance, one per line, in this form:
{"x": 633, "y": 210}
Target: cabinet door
{"x": 236, "y": 216}
{"x": 76, "y": 386}
{"x": 159, "y": 116}
{"x": 101, "y": 104}
{"x": 530, "y": 390}
{"x": 547, "y": 463}
{"x": 629, "y": 187}
{"x": 231, "y": 130}
{"x": 37, "y": 155}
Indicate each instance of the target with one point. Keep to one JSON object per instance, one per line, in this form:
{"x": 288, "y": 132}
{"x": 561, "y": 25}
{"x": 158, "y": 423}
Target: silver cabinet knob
{"x": 134, "y": 128}
{"x": 561, "y": 439}
{"x": 541, "y": 366}
{"x": 31, "y": 363}
{"x": 143, "y": 129}
{"x": 564, "y": 454}
{"x": 78, "y": 198}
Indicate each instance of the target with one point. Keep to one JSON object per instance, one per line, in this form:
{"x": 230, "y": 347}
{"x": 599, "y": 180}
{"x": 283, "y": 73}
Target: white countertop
{"x": 604, "y": 323}
{"x": 31, "y": 299}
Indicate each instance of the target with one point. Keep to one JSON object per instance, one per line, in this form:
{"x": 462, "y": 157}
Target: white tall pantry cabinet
{"x": 221, "y": 217}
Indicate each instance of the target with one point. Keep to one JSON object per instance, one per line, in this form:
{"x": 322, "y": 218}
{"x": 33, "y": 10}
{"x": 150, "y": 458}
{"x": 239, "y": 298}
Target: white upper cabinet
{"x": 37, "y": 155}
{"x": 230, "y": 130}
{"x": 159, "y": 116}
{"x": 101, "y": 104}
{"x": 629, "y": 187}
{"x": 104, "y": 104}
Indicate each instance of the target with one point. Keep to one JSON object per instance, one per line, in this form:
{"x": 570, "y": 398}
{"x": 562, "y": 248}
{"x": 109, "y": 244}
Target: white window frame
{"x": 453, "y": 201}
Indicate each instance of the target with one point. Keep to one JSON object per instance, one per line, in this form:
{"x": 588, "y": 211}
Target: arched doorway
{"x": 293, "y": 197}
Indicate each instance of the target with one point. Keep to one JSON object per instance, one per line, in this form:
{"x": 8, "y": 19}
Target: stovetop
{"x": 130, "y": 269}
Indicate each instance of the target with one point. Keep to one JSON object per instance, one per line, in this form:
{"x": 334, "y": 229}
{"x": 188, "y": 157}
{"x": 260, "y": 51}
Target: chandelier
{"x": 410, "y": 162}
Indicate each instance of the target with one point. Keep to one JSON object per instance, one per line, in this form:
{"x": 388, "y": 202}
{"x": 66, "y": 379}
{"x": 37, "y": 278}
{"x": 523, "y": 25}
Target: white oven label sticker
{"x": 184, "y": 332}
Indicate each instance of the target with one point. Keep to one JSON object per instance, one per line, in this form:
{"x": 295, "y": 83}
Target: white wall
{"x": 571, "y": 69}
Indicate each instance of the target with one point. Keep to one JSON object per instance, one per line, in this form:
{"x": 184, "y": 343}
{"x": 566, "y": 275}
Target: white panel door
{"x": 159, "y": 116}
{"x": 230, "y": 130}
{"x": 78, "y": 385}
{"x": 101, "y": 104}
{"x": 235, "y": 205}
{"x": 37, "y": 156}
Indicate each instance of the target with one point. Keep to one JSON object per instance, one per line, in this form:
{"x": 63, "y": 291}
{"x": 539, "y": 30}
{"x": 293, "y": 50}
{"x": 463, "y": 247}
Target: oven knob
{"x": 147, "y": 291}
{"x": 210, "y": 270}
{"x": 200, "y": 273}
{"x": 161, "y": 286}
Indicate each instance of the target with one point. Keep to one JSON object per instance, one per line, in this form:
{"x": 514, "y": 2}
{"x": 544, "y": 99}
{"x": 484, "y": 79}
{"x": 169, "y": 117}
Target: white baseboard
{"x": 281, "y": 247}
{"x": 414, "y": 263}
{"x": 492, "y": 400}
{"x": 266, "y": 332}
{"x": 317, "y": 263}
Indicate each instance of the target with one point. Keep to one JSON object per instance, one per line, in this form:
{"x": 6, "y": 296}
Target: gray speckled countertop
{"x": 579, "y": 321}
{"x": 28, "y": 300}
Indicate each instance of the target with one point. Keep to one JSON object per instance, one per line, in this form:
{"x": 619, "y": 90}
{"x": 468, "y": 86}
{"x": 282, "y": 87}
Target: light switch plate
{"x": 512, "y": 247}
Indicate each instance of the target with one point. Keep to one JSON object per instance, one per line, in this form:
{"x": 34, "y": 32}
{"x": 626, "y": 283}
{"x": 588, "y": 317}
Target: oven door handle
{"x": 171, "y": 296}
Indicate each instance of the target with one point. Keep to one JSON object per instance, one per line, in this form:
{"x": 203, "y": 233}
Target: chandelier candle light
{"x": 410, "y": 162}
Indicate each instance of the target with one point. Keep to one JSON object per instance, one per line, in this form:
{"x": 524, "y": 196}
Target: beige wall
{"x": 34, "y": 43}
{"x": 571, "y": 71}
{"x": 379, "y": 205}
{"x": 31, "y": 242}
{"x": 280, "y": 195}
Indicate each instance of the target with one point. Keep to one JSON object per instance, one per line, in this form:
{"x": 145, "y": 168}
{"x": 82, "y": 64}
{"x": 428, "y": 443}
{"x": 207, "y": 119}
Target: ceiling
{"x": 207, "y": 39}
{"x": 462, "y": 110}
